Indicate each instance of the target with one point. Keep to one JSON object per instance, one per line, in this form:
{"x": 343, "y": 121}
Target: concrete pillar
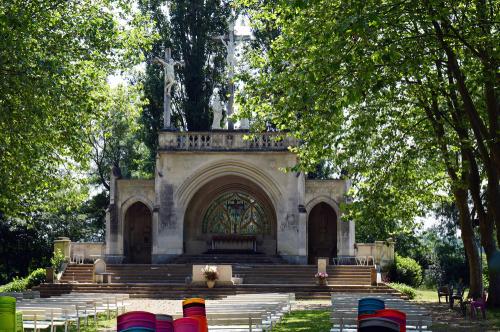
{"x": 64, "y": 245}
{"x": 322, "y": 264}
{"x": 112, "y": 218}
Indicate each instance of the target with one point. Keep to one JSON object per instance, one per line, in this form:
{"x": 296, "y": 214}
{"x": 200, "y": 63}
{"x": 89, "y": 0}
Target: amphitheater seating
{"x": 345, "y": 313}
{"x": 243, "y": 312}
{"x": 248, "y": 312}
{"x": 49, "y": 313}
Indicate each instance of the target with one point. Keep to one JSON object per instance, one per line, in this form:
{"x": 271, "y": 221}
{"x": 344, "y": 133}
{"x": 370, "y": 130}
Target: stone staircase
{"x": 344, "y": 275}
{"x": 177, "y": 291}
{"x": 252, "y": 274}
{"x": 260, "y": 274}
{"x": 228, "y": 258}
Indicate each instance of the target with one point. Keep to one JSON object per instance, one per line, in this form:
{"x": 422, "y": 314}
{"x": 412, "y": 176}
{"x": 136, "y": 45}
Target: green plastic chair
{"x": 19, "y": 321}
{"x": 7, "y": 314}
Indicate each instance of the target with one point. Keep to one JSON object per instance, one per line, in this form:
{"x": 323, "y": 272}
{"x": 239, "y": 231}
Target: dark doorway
{"x": 322, "y": 232}
{"x": 138, "y": 235}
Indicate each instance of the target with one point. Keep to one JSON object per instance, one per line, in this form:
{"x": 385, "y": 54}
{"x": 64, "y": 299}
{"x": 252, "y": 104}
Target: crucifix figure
{"x": 229, "y": 42}
{"x": 169, "y": 76}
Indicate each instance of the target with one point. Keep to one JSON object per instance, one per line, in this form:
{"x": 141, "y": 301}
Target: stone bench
{"x": 234, "y": 242}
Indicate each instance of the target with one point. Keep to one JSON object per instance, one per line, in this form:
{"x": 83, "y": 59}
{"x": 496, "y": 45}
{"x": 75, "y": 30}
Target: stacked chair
{"x": 372, "y": 316}
{"x": 194, "y": 308}
{"x": 194, "y": 320}
{"x": 186, "y": 324}
{"x": 164, "y": 323}
{"x": 7, "y": 314}
{"x": 136, "y": 321}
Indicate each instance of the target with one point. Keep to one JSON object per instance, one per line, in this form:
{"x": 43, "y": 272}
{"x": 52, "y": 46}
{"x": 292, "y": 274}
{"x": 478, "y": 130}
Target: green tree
{"x": 55, "y": 57}
{"x": 404, "y": 95}
{"x": 27, "y": 243}
{"x": 113, "y": 136}
{"x": 188, "y": 28}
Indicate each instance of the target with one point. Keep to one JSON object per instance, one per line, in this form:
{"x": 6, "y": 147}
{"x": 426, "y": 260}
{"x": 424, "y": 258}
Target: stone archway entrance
{"x": 137, "y": 235}
{"x": 322, "y": 232}
{"x": 230, "y": 214}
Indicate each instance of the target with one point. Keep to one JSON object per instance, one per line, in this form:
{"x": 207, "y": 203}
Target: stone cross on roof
{"x": 169, "y": 81}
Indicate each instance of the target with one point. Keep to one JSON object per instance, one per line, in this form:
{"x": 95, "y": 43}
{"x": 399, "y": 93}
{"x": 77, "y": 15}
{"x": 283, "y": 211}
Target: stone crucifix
{"x": 230, "y": 42}
{"x": 169, "y": 76}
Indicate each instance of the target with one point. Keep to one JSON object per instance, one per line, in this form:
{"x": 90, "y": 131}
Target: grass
{"x": 493, "y": 316}
{"x": 430, "y": 296}
{"x": 427, "y": 295}
{"x": 102, "y": 323}
{"x": 305, "y": 320}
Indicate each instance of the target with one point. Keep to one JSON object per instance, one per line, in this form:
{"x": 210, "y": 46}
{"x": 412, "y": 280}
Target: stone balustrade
{"x": 224, "y": 140}
{"x": 87, "y": 251}
{"x": 381, "y": 251}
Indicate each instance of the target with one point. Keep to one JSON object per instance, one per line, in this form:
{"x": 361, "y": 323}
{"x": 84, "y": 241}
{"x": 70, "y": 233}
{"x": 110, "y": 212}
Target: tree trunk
{"x": 493, "y": 257}
{"x": 470, "y": 245}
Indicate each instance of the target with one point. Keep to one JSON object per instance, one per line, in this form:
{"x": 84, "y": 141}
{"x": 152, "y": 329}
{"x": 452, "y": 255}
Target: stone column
{"x": 113, "y": 252}
{"x": 64, "y": 245}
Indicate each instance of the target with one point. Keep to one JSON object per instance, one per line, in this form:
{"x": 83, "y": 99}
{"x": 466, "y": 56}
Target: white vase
{"x": 210, "y": 283}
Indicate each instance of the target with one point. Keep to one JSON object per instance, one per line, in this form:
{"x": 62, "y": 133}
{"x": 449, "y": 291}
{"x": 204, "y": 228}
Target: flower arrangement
{"x": 210, "y": 273}
{"x": 321, "y": 278}
{"x": 321, "y": 275}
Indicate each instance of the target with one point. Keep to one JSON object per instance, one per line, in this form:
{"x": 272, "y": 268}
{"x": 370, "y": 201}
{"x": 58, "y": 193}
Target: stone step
{"x": 263, "y": 274}
{"x": 180, "y": 291}
{"x": 231, "y": 257}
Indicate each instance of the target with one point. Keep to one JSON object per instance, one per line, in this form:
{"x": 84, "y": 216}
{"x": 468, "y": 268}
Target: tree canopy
{"x": 403, "y": 95}
{"x": 55, "y": 57}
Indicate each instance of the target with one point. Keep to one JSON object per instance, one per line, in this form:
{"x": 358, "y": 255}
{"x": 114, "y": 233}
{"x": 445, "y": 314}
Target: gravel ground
{"x": 156, "y": 306}
{"x": 173, "y": 307}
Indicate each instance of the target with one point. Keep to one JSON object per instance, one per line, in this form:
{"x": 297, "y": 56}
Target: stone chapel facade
{"x": 215, "y": 191}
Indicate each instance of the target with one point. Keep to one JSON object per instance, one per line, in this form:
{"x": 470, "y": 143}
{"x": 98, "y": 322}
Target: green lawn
{"x": 305, "y": 320}
{"x": 427, "y": 295}
{"x": 102, "y": 323}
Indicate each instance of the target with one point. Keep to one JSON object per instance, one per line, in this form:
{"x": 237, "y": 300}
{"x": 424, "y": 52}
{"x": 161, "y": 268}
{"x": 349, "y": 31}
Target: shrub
{"x": 406, "y": 270}
{"x": 406, "y": 290}
{"x": 16, "y": 285}
{"x": 58, "y": 260}
{"x": 36, "y": 278}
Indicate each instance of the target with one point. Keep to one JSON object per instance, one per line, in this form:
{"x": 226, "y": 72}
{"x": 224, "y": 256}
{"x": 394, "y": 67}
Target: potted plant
{"x": 321, "y": 278}
{"x": 210, "y": 274}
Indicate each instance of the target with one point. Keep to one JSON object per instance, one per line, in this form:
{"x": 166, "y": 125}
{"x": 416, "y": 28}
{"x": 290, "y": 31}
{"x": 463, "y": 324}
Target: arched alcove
{"x": 229, "y": 205}
{"x": 137, "y": 235}
{"x": 322, "y": 232}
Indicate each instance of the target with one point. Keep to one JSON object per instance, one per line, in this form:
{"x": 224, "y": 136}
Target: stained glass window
{"x": 236, "y": 213}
